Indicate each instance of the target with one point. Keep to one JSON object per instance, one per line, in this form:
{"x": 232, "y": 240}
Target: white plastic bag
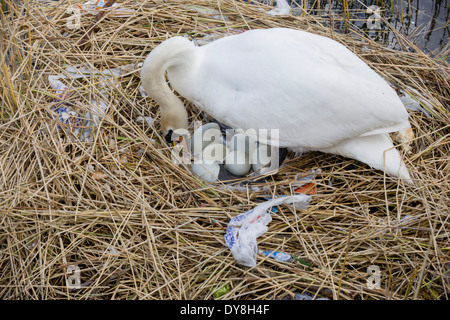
{"x": 282, "y": 9}
{"x": 244, "y": 229}
{"x": 97, "y": 107}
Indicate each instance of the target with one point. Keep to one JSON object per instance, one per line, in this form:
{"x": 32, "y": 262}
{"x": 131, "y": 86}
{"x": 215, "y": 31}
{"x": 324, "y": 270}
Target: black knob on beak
{"x": 168, "y": 136}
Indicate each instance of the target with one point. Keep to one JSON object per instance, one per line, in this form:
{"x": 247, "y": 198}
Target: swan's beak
{"x": 168, "y": 136}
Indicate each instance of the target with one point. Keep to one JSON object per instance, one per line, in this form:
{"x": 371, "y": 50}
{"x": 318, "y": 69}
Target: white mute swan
{"x": 317, "y": 93}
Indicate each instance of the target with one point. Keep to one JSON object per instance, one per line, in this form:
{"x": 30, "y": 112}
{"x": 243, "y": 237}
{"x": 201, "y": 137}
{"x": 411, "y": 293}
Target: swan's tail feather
{"x": 377, "y": 151}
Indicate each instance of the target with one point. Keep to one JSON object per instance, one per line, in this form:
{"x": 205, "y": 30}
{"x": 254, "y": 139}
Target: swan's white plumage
{"x": 313, "y": 89}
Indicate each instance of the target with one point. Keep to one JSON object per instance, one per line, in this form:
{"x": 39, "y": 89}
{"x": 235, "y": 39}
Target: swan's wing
{"x": 314, "y": 90}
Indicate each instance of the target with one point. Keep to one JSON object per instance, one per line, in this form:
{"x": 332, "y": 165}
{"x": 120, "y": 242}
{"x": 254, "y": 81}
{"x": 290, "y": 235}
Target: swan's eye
{"x": 168, "y": 136}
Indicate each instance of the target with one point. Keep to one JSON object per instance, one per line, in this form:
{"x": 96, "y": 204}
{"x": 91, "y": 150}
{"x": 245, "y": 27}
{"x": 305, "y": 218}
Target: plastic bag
{"x": 282, "y": 9}
{"x": 83, "y": 126}
{"x": 244, "y": 229}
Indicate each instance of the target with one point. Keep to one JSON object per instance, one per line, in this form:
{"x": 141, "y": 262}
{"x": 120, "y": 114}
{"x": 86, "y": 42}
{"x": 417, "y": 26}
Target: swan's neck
{"x": 175, "y": 53}
{"x": 158, "y": 89}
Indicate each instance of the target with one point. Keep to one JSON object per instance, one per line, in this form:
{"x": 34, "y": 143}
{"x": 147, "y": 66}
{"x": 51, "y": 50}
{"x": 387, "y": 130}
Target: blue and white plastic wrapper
{"x": 280, "y": 256}
{"x": 64, "y": 112}
{"x": 244, "y": 229}
{"x": 68, "y": 116}
{"x": 97, "y": 107}
{"x": 117, "y": 9}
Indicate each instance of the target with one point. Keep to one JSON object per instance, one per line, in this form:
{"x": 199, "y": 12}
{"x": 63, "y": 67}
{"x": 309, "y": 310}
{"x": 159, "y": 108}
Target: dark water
{"x": 425, "y": 22}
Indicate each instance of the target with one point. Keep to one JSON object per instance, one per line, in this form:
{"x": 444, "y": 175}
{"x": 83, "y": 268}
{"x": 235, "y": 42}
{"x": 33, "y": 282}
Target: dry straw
{"x": 116, "y": 211}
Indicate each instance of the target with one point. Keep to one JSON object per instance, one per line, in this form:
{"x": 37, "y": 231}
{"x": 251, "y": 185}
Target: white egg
{"x": 237, "y": 163}
{"x": 252, "y": 145}
{"x": 205, "y": 135}
{"x": 206, "y": 172}
{"x": 214, "y": 152}
{"x": 242, "y": 142}
{"x": 261, "y": 158}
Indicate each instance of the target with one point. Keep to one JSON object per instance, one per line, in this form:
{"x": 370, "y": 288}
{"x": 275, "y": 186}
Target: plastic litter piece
{"x": 244, "y": 229}
{"x": 83, "y": 126}
{"x": 221, "y": 291}
{"x": 66, "y": 114}
{"x": 305, "y": 184}
{"x": 299, "y": 296}
{"x": 282, "y": 9}
{"x": 309, "y": 188}
{"x": 209, "y": 12}
{"x": 415, "y": 103}
{"x": 280, "y": 256}
{"x": 117, "y": 10}
{"x": 147, "y": 120}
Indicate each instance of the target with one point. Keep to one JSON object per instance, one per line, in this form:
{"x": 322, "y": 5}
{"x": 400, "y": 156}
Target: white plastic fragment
{"x": 208, "y": 39}
{"x": 243, "y": 188}
{"x": 299, "y": 296}
{"x": 147, "y": 120}
{"x": 112, "y": 251}
{"x": 212, "y": 13}
{"x": 82, "y": 71}
{"x": 282, "y": 9}
{"x": 117, "y": 10}
{"x": 97, "y": 111}
{"x": 142, "y": 91}
{"x": 374, "y": 20}
{"x": 300, "y": 180}
{"x": 280, "y": 256}
{"x": 415, "y": 103}
{"x": 66, "y": 114}
{"x": 244, "y": 229}
{"x": 56, "y": 84}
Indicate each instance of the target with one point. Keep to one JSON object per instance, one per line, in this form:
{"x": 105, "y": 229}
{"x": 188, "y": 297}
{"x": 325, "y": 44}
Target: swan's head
{"x": 173, "y": 118}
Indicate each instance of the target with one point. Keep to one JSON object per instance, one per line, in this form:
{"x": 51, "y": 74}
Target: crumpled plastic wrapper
{"x": 282, "y": 9}
{"x": 244, "y": 229}
{"x": 117, "y": 9}
{"x": 97, "y": 106}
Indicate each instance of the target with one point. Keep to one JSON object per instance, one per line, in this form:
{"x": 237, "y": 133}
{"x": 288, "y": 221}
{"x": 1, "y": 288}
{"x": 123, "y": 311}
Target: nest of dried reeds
{"x": 116, "y": 213}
